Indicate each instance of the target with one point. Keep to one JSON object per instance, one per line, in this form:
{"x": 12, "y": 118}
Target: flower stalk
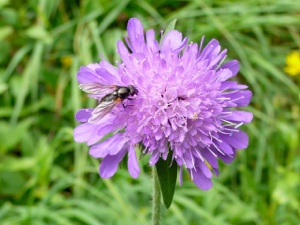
{"x": 156, "y": 202}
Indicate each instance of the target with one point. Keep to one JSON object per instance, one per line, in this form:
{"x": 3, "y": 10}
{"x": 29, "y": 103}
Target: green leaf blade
{"x": 171, "y": 26}
{"x": 167, "y": 175}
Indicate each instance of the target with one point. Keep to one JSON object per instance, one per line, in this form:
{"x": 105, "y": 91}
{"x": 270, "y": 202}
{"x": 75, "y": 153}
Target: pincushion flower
{"x": 184, "y": 106}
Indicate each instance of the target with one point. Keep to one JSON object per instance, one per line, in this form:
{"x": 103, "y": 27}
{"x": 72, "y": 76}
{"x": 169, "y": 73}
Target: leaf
{"x": 39, "y": 33}
{"x": 170, "y": 27}
{"x": 5, "y": 32}
{"x": 3, "y": 3}
{"x": 3, "y": 87}
{"x": 11, "y": 182}
{"x": 167, "y": 175}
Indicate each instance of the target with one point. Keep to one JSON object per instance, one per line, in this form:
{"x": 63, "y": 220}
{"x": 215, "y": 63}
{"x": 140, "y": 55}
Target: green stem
{"x": 156, "y": 205}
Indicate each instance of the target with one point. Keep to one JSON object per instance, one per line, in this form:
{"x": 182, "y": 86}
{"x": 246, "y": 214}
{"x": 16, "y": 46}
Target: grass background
{"x": 46, "y": 178}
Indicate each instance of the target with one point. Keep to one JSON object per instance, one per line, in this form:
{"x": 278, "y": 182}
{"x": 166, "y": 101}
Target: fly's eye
{"x": 132, "y": 90}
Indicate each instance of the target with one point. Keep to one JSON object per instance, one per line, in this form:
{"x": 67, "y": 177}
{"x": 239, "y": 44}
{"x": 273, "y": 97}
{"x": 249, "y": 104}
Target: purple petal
{"x": 214, "y": 62}
{"x": 180, "y": 47}
{"x": 110, "y": 146}
{"x": 172, "y": 41}
{"x": 189, "y": 160}
{"x": 87, "y": 74}
{"x": 133, "y": 166}
{"x": 239, "y": 116}
{"x": 190, "y": 52}
{"x": 232, "y": 85}
{"x": 151, "y": 42}
{"x": 211, "y": 50}
{"x": 233, "y": 65}
{"x": 110, "y": 68}
{"x": 154, "y": 158}
{"x": 204, "y": 169}
{"x": 107, "y": 77}
{"x": 240, "y": 98}
{"x": 200, "y": 180}
{"x": 223, "y": 74}
{"x": 226, "y": 158}
{"x": 245, "y": 98}
{"x": 83, "y": 115}
{"x": 123, "y": 52}
{"x": 97, "y": 152}
{"x": 136, "y": 34}
{"x": 117, "y": 145}
{"x": 106, "y": 129}
{"x": 109, "y": 164}
{"x": 86, "y": 133}
{"x": 226, "y": 148}
{"x": 216, "y": 171}
{"x": 238, "y": 140}
{"x": 210, "y": 158}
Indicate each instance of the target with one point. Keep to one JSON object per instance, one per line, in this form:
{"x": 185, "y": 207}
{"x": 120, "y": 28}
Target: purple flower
{"x": 184, "y": 105}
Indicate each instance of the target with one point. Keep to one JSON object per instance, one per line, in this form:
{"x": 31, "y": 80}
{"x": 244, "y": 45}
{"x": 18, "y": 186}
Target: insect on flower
{"x": 187, "y": 106}
{"x": 116, "y": 94}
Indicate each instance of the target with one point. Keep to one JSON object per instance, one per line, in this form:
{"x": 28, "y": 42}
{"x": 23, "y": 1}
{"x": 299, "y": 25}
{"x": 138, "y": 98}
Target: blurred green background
{"x": 46, "y": 178}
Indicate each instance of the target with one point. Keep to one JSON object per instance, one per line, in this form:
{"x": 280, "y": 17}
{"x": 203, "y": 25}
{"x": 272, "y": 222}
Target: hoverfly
{"x": 113, "y": 96}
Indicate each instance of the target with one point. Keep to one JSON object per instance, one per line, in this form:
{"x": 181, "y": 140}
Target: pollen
{"x": 195, "y": 116}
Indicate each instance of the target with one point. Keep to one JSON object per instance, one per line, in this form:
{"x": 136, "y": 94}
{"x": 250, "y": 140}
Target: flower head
{"x": 293, "y": 63}
{"x": 184, "y": 105}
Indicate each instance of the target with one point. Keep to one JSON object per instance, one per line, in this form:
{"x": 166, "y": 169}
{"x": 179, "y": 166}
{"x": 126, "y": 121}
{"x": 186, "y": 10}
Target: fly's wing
{"x": 97, "y": 88}
{"x": 102, "y": 109}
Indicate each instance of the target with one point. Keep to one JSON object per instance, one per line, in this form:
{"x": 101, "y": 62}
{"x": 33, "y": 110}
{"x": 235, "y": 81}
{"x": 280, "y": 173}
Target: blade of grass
{"x": 32, "y": 69}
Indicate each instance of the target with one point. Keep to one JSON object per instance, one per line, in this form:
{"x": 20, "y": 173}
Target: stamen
{"x": 199, "y": 154}
{"x": 232, "y": 130}
{"x": 147, "y": 145}
{"x": 184, "y": 162}
{"x": 214, "y": 154}
{"x": 223, "y": 115}
{"x": 193, "y": 162}
{"x": 220, "y": 131}
{"x": 230, "y": 92}
{"x": 201, "y": 44}
{"x": 192, "y": 177}
{"x": 116, "y": 131}
{"x": 226, "y": 113}
{"x": 233, "y": 124}
{"x": 221, "y": 62}
{"x": 238, "y": 125}
{"x": 218, "y": 148}
{"x": 233, "y": 100}
{"x": 217, "y": 139}
{"x": 210, "y": 136}
{"x": 223, "y": 98}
